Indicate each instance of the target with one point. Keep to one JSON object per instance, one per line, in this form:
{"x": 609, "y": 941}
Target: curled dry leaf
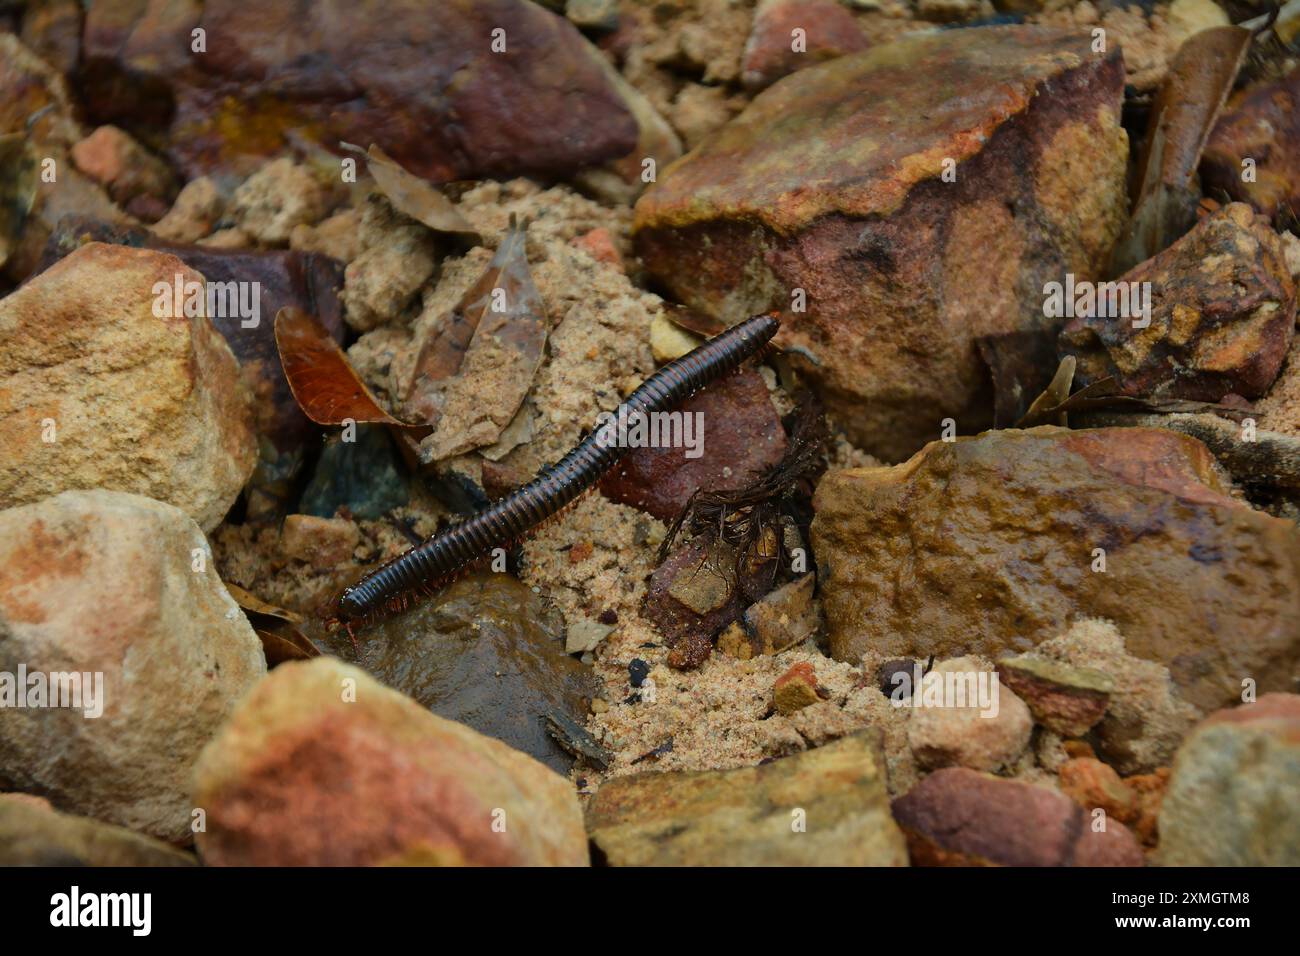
{"x": 413, "y": 196}
{"x": 1105, "y": 394}
{"x": 1057, "y": 391}
{"x": 1199, "y": 81}
{"x": 323, "y": 382}
{"x": 276, "y": 626}
{"x": 478, "y": 362}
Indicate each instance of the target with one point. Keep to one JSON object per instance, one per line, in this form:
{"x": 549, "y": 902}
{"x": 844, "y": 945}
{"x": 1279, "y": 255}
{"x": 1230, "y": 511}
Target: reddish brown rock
{"x": 126, "y": 169}
{"x": 740, "y": 434}
{"x": 1066, "y": 700}
{"x": 1262, "y": 124}
{"x": 958, "y": 817}
{"x": 832, "y": 182}
{"x": 321, "y": 765}
{"x": 998, "y": 535}
{"x": 420, "y": 80}
{"x": 827, "y": 28}
{"x": 1222, "y": 316}
{"x": 694, "y": 592}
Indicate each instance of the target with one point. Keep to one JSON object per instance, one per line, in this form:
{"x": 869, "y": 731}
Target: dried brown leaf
{"x": 415, "y": 197}
{"x": 1200, "y": 78}
{"x": 481, "y": 357}
{"x": 323, "y": 382}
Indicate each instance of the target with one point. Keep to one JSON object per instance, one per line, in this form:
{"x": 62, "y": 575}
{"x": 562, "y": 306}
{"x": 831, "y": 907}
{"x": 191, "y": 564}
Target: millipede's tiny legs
{"x": 426, "y": 566}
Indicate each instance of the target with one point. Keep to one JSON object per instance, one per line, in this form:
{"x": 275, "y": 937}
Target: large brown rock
{"x": 1232, "y": 799}
{"x": 98, "y": 391}
{"x": 321, "y": 765}
{"x": 1222, "y": 316}
{"x": 986, "y": 546}
{"x": 101, "y": 582}
{"x": 1261, "y": 124}
{"x": 832, "y": 181}
{"x": 421, "y": 80}
{"x": 958, "y": 817}
{"x": 823, "y": 807}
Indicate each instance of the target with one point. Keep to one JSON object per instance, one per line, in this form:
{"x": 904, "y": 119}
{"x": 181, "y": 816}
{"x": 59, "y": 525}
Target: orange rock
{"x": 599, "y": 244}
{"x": 795, "y": 689}
{"x": 1095, "y": 785}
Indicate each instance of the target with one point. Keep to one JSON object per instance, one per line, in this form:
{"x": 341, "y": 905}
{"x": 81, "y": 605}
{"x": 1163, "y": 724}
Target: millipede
{"x": 429, "y": 565}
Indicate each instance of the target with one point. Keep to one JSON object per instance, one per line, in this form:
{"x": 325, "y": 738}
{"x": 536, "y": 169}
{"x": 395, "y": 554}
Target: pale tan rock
{"x": 279, "y": 196}
{"x": 197, "y": 209}
{"x": 981, "y": 734}
{"x": 321, "y": 542}
{"x": 99, "y": 392}
{"x": 124, "y": 586}
{"x": 382, "y": 281}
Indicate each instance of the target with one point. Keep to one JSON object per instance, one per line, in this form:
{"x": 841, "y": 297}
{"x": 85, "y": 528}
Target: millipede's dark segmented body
{"x": 446, "y": 553}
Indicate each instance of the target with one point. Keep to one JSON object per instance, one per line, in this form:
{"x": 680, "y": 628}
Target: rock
{"x": 105, "y": 583}
{"x": 197, "y": 209}
{"x": 1066, "y": 700}
{"x": 122, "y": 166}
{"x": 338, "y": 237}
{"x": 1146, "y": 717}
{"x": 592, "y": 14}
{"x": 102, "y": 393}
{"x": 1222, "y": 316}
{"x": 827, "y": 30}
{"x": 248, "y": 288}
{"x": 690, "y": 652}
{"x": 669, "y": 341}
{"x": 694, "y": 592}
{"x": 1150, "y": 789}
{"x": 751, "y": 816}
{"x": 795, "y": 689}
{"x": 832, "y": 182}
{"x": 364, "y": 476}
{"x": 1232, "y": 795}
{"x": 1185, "y": 18}
{"x": 699, "y": 110}
{"x": 322, "y": 766}
{"x": 735, "y": 434}
{"x": 542, "y": 106}
{"x": 36, "y": 100}
{"x": 382, "y": 281}
{"x": 321, "y": 542}
{"x": 275, "y": 199}
{"x": 486, "y": 652}
{"x": 599, "y": 244}
{"x": 999, "y": 535}
{"x": 969, "y": 724}
{"x": 1094, "y": 785}
{"x": 34, "y": 836}
{"x": 781, "y": 619}
{"x": 1260, "y": 123}
{"x": 958, "y": 817}
{"x": 585, "y": 635}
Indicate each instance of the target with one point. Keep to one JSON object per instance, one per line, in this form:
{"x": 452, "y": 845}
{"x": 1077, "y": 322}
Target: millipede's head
{"x": 351, "y": 605}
